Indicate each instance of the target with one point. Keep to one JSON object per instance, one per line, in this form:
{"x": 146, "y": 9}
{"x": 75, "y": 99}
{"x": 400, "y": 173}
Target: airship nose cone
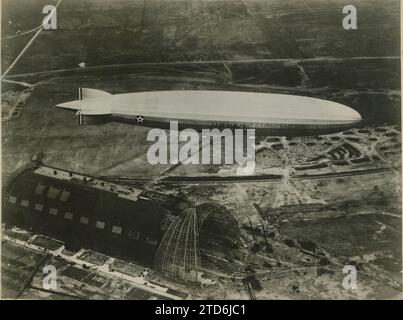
{"x": 342, "y": 112}
{"x": 354, "y": 115}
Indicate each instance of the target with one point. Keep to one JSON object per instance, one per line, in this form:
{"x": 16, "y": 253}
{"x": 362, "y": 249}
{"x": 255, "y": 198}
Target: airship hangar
{"x": 156, "y": 230}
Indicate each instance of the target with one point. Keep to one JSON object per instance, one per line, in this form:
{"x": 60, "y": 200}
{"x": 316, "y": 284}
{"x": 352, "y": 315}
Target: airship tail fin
{"x": 87, "y": 93}
{"x": 79, "y": 115}
{"x": 80, "y": 106}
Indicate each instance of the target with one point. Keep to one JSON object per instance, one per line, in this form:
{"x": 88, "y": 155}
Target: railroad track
{"x": 241, "y": 179}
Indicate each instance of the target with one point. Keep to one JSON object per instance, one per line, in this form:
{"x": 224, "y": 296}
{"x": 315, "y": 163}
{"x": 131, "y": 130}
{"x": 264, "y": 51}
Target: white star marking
{"x": 140, "y": 119}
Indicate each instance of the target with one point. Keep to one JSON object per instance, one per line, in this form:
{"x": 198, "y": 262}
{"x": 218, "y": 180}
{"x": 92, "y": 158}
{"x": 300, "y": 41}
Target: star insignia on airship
{"x": 140, "y": 119}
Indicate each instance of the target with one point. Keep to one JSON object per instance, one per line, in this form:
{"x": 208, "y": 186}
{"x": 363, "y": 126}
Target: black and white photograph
{"x": 201, "y": 150}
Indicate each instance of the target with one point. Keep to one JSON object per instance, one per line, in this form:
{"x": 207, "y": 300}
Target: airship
{"x": 267, "y": 113}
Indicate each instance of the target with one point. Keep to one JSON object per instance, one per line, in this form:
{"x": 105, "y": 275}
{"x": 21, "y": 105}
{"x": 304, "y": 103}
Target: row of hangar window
{"x": 84, "y": 220}
{"x": 52, "y": 192}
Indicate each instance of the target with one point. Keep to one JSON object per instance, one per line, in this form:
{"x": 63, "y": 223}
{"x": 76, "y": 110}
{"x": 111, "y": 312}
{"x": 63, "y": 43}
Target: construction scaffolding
{"x": 198, "y": 228}
{"x": 178, "y": 254}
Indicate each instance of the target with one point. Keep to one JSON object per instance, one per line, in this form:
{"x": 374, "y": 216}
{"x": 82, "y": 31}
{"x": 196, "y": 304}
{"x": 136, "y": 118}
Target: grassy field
{"x": 99, "y": 32}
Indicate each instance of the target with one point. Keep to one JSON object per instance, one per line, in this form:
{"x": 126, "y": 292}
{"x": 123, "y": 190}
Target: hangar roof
{"x": 122, "y": 191}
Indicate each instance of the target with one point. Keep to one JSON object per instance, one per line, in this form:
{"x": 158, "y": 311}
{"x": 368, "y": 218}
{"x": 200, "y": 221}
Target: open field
{"x": 100, "y": 33}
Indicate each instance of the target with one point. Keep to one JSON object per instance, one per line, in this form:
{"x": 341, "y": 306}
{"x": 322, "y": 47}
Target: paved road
{"x": 198, "y": 62}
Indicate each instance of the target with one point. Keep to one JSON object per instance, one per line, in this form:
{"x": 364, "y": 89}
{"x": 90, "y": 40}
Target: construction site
{"x": 213, "y": 235}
